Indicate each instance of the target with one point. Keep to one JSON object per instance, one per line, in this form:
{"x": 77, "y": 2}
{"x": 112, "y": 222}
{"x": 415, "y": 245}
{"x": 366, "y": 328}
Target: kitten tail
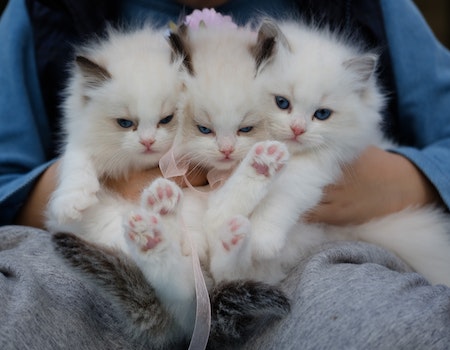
{"x": 112, "y": 271}
{"x": 241, "y": 309}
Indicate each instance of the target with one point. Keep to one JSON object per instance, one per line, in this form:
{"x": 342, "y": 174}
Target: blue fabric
{"x": 161, "y": 12}
{"x": 422, "y": 73}
{"x": 24, "y": 130}
{"x": 421, "y": 67}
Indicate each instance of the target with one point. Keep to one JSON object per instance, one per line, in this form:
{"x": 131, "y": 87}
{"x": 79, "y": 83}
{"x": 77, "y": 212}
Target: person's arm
{"x": 422, "y": 72}
{"x": 376, "y": 184}
{"x": 25, "y": 138}
{"x": 417, "y": 172}
{"x": 33, "y": 210}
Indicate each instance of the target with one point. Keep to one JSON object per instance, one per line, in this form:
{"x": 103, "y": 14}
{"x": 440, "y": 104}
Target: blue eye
{"x": 204, "y": 129}
{"x": 125, "y": 123}
{"x": 282, "y": 103}
{"x": 246, "y": 129}
{"x": 166, "y": 120}
{"x": 323, "y": 113}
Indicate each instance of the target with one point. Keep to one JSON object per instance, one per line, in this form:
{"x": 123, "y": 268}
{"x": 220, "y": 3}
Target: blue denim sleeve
{"x": 24, "y": 131}
{"x": 422, "y": 72}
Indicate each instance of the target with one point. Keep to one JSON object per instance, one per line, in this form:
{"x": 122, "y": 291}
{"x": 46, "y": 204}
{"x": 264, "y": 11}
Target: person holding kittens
{"x": 324, "y": 312}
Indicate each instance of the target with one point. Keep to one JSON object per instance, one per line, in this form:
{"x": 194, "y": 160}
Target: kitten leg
{"x": 251, "y": 181}
{"x": 154, "y": 237}
{"x": 229, "y": 254}
{"x": 76, "y": 191}
{"x": 236, "y": 200}
{"x": 156, "y": 222}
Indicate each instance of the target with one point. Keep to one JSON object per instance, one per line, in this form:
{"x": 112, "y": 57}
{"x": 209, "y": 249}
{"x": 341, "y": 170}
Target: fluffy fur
{"x": 326, "y": 110}
{"x": 239, "y": 308}
{"x": 322, "y": 112}
{"x": 119, "y": 110}
{"x": 285, "y": 133}
{"x": 118, "y": 118}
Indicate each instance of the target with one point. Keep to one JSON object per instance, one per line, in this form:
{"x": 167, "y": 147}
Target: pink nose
{"x": 227, "y": 151}
{"x": 147, "y": 143}
{"x": 297, "y": 130}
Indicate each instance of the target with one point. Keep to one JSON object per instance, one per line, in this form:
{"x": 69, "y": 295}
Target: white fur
{"x": 325, "y": 72}
{"x": 143, "y": 86}
{"x": 221, "y": 96}
{"x": 247, "y": 228}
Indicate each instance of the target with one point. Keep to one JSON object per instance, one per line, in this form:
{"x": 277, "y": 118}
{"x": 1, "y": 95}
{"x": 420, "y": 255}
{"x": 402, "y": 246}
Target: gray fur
{"x": 240, "y": 309}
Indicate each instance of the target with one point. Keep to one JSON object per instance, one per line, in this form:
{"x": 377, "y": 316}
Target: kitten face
{"x": 123, "y": 99}
{"x": 219, "y": 108}
{"x": 220, "y": 132}
{"x": 327, "y": 99}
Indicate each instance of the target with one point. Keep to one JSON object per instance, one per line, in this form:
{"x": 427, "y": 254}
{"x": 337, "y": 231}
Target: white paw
{"x": 269, "y": 157}
{"x": 69, "y": 205}
{"x": 144, "y": 231}
{"x": 162, "y": 196}
{"x": 234, "y": 232}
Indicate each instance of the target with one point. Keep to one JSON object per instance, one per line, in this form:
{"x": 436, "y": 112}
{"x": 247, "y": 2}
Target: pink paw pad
{"x": 234, "y": 241}
{"x": 236, "y": 230}
{"x": 151, "y": 242}
{"x": 146, "y": 234}
{"x": 162, "y": 196}
{"x": 269, "y": 158}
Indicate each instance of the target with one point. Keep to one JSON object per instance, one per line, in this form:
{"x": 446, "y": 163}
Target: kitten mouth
{"x": 148, "y": 151}
{"x": 296, "y": 139}
{"x": 226, "y": 160}
{"x": 225, "y": 163}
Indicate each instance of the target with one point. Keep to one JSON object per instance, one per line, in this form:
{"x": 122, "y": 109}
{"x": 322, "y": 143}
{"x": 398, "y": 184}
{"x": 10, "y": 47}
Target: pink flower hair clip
{"x": 208, "y": 18}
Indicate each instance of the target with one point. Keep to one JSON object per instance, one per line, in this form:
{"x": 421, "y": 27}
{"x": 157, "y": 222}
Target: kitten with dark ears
{"x": 326, "y": 108}
{"x": 119, "y": 117}
{"x": 322, "y": 112}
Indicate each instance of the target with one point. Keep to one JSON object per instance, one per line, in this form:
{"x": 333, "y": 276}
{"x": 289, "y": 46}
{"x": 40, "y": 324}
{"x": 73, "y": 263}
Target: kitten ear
{"x": 363, "y": 66}
{"x": 269, "y": 37}
{"x": 93, "y": 74}
{"x": 180, "y": 48}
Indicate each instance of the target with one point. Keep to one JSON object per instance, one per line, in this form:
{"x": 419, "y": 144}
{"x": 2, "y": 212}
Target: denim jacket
{"x": 37, "y": 39}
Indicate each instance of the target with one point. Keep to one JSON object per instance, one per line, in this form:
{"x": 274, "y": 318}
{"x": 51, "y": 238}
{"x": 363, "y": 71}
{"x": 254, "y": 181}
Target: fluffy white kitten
{"x": 325, "y": 108}
{"x": 219, "y": 122}
{"x": 119, "y": 117}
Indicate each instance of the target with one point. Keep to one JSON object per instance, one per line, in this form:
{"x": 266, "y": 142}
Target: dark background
{"x": 436, "y": 12}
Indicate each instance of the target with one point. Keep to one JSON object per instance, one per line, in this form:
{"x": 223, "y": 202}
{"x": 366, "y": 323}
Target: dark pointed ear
{"x": 269, "y": 38}
{"x": 180, "y": 48}
{"x": 363, "y": 66}
{"x": 94, "y": 74}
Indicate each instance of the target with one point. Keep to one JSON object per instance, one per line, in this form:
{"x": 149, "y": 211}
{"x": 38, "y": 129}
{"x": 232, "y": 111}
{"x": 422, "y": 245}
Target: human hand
{"x": 378, "y": 183}
{"x": 131, "y": 187}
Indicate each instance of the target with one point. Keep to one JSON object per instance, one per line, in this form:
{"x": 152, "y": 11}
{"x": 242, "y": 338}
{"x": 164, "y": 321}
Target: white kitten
{"x": 119, "y": 117}
{"x": 117, "y": 113}
{"x": 218, "y": 111}
{"x": 326, "y": 108}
